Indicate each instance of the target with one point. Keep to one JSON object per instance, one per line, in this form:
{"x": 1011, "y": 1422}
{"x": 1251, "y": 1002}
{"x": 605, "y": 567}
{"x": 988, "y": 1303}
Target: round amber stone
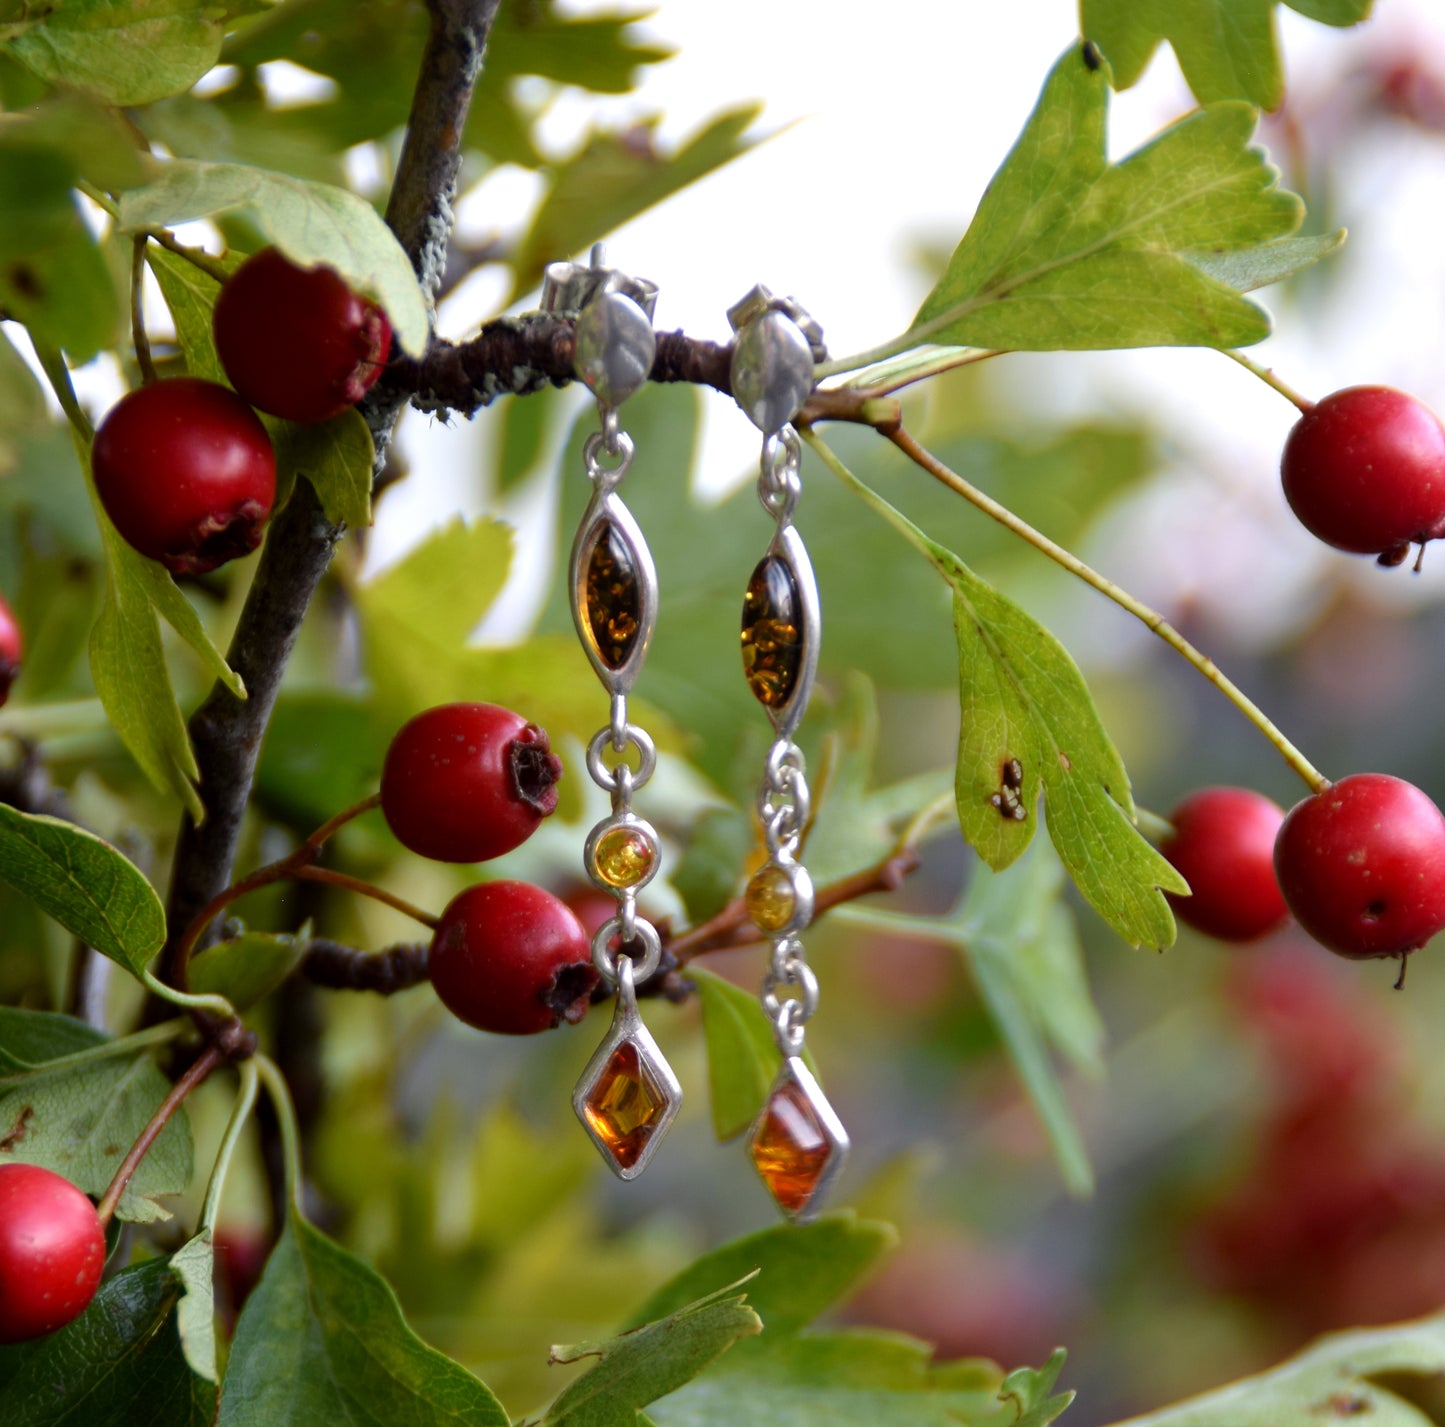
{"x": 624, "y": 857}
{"x": 772, "y": 902}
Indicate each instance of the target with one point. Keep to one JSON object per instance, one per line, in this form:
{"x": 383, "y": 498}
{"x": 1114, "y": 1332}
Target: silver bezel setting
{"x": 793, "y": 1071}
{"x": 628, "y": 1029}
{"x": 787, "y": 545}
{"x": 607, "y": 507}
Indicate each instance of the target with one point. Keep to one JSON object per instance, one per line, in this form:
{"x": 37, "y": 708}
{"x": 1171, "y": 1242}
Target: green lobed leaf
{"x": 650, "y": 1361}
{"x": 120, "y": 1363}
{"x": 742, "y": 1057}
{"x": 1026, "y": 710}
{"x": 124, "y": 52}
{"x": 1032, "y": 1389}
{"x": 1227, "y": 48}
{"x": 310, "y": 222}
{"x": 787, "y": 1377}
{"x": 1252, "y": 268}
{"x": 128, "y": 665}
{"x": 322, "y": 1339}
{"x": 614, "y": 178}
{"x": 80, "y": 1120}
{"x": 1342, "y": 1376}
{"x": 194, "y": 1263}
{"x": 247, "y": 968}
{"x": 1068, "y": 251}
{"x": 190, "y": 293}
{"x": 84, "y": 883}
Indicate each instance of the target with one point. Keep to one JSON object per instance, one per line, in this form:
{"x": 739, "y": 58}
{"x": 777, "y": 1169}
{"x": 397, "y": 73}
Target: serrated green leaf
{"x": 802, "y": 1271}
{"x": 1068, "y": 251}
{"x": 1026, "y": 712}
{"x": 191, "y": 294}
{"x": 1032, "y": 1389}
{"x": 124, "y": 52}
{"x": 1227, "y": 48}
{"x": 614, "y": 178}
{"x": 178, "y": 612}
{"x": 1341, "y": 1376}
{"x": 742, "y": 1056}
{"x": 81, "y": 1120}
{"x": 246, "y": 968}
{"x": 651, "y": 1360}
{"x": 321, "y": 1339}
{"x": 128, "y": 665}
{"x": 120, "y": 1363}
{"x": 85, "y": 884}
{"x": 194, "y": 1263}
{"x": 310, "y": 222}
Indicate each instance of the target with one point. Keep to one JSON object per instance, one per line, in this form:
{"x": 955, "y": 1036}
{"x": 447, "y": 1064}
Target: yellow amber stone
{"x": 625, "y": 1105}
{"x": 623, "y": 857}
{"x": 790, "y": 1148}
{"x": 611, "y": 596}
{"x": 772, "y": 636}
{"x": 770, "y": 898}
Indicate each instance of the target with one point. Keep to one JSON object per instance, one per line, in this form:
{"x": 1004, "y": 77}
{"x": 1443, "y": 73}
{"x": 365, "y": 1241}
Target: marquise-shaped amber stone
{"x": 772, "y": 633}
{"x": 791, "y": 1148}
{"x": 625, "y": 1105}
{"x": 611, "y": 595}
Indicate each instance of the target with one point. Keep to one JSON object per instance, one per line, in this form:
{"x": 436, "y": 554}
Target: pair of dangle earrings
{"x": 628, "y": 1094}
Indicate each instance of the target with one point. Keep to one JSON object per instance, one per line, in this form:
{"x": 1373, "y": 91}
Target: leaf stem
{"x": 216, "y": 1005}
{"x": 99, "y": 197}
{"x": 1151, "y": 619}
{"x": 124, "y": 1045}
{"x": 208, "y": 1060}
{"x": 209, "y": 264}
{"x": 280, "y": 1093}
{"x": 137, "y": 310}
{"x": 240, "y": 1112}
{"x": 1267, "y": 376}
{"x": 916, "y": 367}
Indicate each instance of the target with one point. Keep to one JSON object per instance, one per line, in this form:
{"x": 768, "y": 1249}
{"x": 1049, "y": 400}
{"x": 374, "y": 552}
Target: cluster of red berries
{"x": 1360, "y": 864}
{"x": 467, "y": 783}
{"x": 184, "y": 468}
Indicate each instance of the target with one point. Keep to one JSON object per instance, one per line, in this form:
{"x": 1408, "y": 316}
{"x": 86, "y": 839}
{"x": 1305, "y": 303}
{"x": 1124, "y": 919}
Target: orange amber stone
{"x": 611, "y": 595}
{"x": 623, "y": 857}
{"x": 625, "y": 1105}
{"x": 772, "y": 634}
{"x": 791, "y": 1149}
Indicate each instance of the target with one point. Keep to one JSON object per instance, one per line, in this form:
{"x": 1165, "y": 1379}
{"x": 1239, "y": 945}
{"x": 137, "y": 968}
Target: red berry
{"x": 52, "y": 1251}
{"x": 11, "y": 648}
{"x": 1362, "y": 866}
{"x": 1364, "y": 470}
{"x": 186, "y": 473}
{"x": 297, "y": 342}
{"x": 468, "y": 782}
{"x": 511, "y": 958}
{"x": 1223, "y": 844}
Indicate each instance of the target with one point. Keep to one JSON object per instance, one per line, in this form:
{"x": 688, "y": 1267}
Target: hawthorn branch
{"x": 226, "y": 732}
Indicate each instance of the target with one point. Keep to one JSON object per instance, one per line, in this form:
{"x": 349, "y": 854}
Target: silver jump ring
{"x": 605, "y": 777}
{"x": 642, "y": 967}
{"x": 607, "y": 477}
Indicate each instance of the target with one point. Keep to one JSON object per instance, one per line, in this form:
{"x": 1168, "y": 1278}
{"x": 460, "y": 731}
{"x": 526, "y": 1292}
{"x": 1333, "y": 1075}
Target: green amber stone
{"x": 611, "y": 595}
{"x": 772, "y": 633}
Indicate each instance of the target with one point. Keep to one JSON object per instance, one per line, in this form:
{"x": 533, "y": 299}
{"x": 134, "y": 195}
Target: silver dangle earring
{"x": 797, "y": 1142}
{"x": 628, "y": 1094}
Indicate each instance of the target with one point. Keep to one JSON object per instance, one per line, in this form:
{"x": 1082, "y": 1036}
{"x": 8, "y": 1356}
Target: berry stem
{"x": 208, "y": 1060}
{"x": 191, "y": 1001}
{"x": 240, "y": 1112}
{"x": 1267, "y": 376}
{"x": 58, "y": 375}
{"x": 137, "y": 310}
{"x": 280, "y": 1093}
{"x": 332, "y": 825}
{"x": 1151, "y": 619}
{"x": 366, "y": 889}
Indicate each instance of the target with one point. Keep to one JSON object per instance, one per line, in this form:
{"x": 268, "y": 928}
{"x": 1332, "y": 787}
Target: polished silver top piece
{"x": 772, "y": 370}
{"x": 615, "y": 347}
